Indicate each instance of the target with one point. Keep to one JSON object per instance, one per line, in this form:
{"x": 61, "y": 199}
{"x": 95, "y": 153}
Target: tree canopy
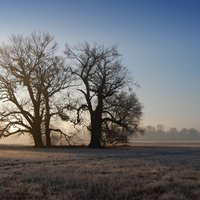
{"x": 106, "y": 86}
{"x": 35, "y": 82}
{"x": 30, "y": 75}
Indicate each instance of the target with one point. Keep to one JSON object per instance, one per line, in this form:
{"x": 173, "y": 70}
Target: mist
{"x": 173, "y": 134}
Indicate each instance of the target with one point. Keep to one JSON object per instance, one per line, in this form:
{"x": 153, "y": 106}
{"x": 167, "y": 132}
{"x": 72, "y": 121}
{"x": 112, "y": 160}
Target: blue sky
{"x": 159, "y": 41}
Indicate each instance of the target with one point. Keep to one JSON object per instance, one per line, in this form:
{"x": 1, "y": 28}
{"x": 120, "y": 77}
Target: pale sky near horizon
{"x": 159, "y": 41}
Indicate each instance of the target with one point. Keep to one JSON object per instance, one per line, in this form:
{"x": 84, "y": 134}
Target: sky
{"x": 159, "y": 41}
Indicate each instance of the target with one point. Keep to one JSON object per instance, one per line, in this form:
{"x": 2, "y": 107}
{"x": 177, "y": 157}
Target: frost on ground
{"x": 81, "y": 173}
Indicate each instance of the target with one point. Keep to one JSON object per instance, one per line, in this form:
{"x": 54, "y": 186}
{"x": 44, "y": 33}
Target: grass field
{"x": 139, "y": 172}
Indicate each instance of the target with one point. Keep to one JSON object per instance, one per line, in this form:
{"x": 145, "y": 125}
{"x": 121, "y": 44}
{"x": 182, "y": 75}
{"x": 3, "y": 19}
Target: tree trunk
{"x": 95, "y": 141}
{"x": 47, "y": 130}
{"x": 48, "y": 138}
{"x": 37, "y": 136}
{"x": 47, "y": 120}
{"x": 96, "y": 122}
{"x": 38, "y": 140}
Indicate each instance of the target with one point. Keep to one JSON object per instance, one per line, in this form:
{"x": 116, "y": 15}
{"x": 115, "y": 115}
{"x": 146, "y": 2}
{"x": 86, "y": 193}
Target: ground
{"x": 137, "y": 172}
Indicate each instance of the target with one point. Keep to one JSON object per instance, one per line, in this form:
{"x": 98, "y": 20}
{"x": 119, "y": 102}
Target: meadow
{"x": 142, "y": 171}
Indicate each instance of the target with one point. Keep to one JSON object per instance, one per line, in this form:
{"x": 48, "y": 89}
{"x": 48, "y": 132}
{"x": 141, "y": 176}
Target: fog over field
{"x": 171, "y": 136}
{"x": 140, "y": 172}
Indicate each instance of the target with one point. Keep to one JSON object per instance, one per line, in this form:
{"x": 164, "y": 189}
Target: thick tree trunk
{"x": 38, "y": 140}
{"x": 95, "y": 141}
{"x": 96, "y": 122}
{"x": 37, "y": 136}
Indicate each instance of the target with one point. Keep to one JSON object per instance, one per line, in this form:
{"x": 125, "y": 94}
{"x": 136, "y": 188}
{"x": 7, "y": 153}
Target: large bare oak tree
{"x": 31, "y": 74}
{"x": 105, "y": 85}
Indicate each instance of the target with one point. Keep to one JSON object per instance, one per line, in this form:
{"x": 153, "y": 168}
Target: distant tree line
{"x": 85, "y": 85}
{"x": 158, "y": 133}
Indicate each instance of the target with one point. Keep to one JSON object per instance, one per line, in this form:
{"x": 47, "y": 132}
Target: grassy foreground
{"x": 81, "y": 173}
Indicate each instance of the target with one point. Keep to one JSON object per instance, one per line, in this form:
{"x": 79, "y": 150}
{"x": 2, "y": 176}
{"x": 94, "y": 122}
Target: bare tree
{"x": 121, "y": 117}
{"x": 30, "y": 76}
{"x": 103, "y": 79}
{"x": 160, "y": 128}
